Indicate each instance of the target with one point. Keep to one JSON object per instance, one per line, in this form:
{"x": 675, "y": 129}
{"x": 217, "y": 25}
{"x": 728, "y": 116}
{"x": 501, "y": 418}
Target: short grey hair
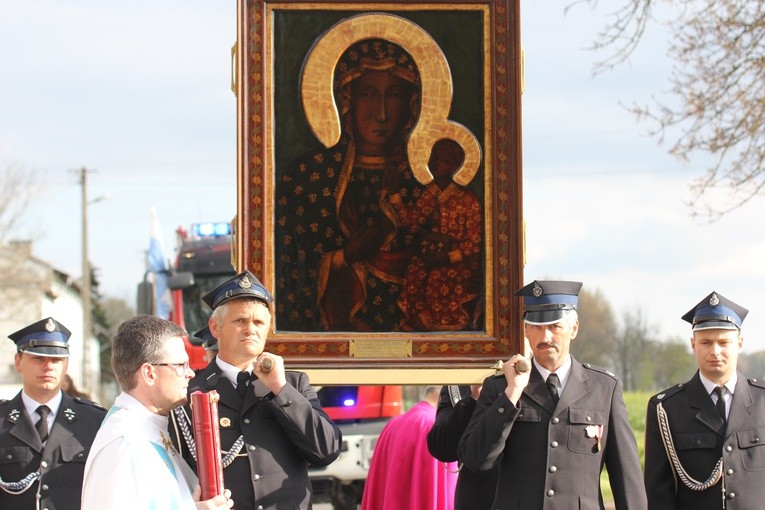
{"x": 220, "y": 312}
{"x": 140, "y": 339}
{"x": 428, "y": 390}
{"x": 571, "y": 316}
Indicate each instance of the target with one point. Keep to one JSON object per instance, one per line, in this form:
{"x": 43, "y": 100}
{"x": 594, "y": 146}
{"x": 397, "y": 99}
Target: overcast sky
{"x": 139, "y": 93}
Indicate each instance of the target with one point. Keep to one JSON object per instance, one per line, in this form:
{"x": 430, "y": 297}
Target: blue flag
{"x": 157, "y": 265}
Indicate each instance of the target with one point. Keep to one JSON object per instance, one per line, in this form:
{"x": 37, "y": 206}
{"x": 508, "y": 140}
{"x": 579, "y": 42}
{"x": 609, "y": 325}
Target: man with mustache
{"x": 705, "y": 438}
{"x": 550, "y": 430}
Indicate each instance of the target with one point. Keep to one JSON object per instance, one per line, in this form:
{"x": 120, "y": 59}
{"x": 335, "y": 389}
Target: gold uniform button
{"x": 225, "y": 422}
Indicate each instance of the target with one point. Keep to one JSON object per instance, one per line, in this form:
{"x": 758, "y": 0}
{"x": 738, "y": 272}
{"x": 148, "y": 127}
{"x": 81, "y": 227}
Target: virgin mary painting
{"x": 341, "y": 249}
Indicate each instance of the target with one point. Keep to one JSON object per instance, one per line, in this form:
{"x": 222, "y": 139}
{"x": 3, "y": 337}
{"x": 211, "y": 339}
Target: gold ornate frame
{"x": 267, "y": 51}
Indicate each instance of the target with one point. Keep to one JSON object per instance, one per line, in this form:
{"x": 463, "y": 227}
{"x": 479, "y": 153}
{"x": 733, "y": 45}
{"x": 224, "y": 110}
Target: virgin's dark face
{"x": 380, "y": 109}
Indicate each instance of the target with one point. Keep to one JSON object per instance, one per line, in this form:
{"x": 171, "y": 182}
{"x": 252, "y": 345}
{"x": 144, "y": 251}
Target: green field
{"x": 636, "y": 406}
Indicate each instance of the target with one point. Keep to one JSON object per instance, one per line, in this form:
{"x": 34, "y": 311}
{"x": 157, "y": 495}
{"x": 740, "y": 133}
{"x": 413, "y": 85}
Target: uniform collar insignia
{"x": 69, "y": 414}
{"x": 14, "y": 415}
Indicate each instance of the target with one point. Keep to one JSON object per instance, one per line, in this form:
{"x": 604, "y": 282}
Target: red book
{"x": 204, "y": 409}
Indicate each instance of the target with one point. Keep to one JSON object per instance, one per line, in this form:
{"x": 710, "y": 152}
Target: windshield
{"x": 195, "y": 311}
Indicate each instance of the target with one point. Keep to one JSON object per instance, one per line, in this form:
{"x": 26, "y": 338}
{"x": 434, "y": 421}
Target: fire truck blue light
{"x": 211, "y": 229}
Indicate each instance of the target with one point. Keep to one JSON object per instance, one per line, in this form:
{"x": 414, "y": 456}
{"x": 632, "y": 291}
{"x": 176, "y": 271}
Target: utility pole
{"x": 85, "y": 288}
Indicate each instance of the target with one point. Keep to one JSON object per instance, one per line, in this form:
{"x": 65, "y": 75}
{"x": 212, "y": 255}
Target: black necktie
{"x": 242, "y": 378}
{"x": 42, "y": 423}
{"x": 552, "y": 386}
{"x": 720, "y": 402}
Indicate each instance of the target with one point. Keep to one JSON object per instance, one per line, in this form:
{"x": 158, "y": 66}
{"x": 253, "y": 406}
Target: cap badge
{"x": 714, "y": 300}
{"x": 537, "y": 290}
{"x": 50, "y": 326}
{"x": 245, "y": 282}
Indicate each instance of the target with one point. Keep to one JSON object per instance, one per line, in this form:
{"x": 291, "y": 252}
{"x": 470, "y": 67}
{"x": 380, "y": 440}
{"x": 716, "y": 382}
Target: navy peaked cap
{"x": 716, "y": 312}
{"x": 548, "y": 301}
{"x": 243, "y": 285}
{"x": 205, "y": 338}
{"x": 47, "y": 337}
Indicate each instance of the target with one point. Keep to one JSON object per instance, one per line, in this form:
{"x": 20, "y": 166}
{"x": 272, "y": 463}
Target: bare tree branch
{"x": 718, "y": 88}
{"x": 17, "y": 188}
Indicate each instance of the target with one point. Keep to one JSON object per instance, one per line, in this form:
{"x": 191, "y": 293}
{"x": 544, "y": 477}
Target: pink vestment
{"x": 403, "y": 475}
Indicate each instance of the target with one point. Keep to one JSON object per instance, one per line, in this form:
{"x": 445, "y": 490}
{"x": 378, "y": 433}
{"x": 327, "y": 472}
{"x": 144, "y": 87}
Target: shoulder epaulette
{"x": 669, "y": 392}
{"x": 601, "y": 370}
{"x": 754, "y": 381}
{"x": 88, "y": 402}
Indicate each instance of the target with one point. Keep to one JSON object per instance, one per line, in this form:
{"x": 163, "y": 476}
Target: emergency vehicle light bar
{"x": 210, "y": 229}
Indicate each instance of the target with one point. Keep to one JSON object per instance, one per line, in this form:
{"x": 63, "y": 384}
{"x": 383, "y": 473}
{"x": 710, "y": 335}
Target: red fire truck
{"x": 204, "y": 262}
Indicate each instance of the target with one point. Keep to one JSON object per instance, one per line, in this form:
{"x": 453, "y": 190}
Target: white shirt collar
{"x": 229, "y": 370}
{"x": 709, "y": 385}
{"x": 31, "y": 406}
{"x": 563, "y": 372}
{"x": 132, "y": 404}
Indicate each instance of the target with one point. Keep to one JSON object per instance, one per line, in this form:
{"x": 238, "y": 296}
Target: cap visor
{"x": 47, "y": 351}
{"x": 243, "y": 294}
{"x": 543, "y": 317}
{"x": 714, "y": 325}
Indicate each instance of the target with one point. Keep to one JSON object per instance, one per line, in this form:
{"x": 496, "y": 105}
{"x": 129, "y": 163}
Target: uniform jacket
{"x": 701, "y": 439}
{"x": 282, "y": 435}
{"x": 475, "y": 490}
{"x": 61, "y": 462}
{"x": 550, "y": 457}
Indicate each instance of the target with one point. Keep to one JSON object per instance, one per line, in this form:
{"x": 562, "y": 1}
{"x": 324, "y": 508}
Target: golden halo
{"x": 436, "y": 98}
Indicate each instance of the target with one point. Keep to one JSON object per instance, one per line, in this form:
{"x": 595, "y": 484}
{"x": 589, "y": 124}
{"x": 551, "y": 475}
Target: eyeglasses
{"x": 180, "y": 368}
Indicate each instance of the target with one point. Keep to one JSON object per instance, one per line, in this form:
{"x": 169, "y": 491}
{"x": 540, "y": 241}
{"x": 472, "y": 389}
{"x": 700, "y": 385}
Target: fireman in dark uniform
{"x": 705, "y": 438}
{"x": 45, "y": 435}
{"x": 475, "y": 490}
{"x": 272, "y": 425}
{"x": 550, "y": 430}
